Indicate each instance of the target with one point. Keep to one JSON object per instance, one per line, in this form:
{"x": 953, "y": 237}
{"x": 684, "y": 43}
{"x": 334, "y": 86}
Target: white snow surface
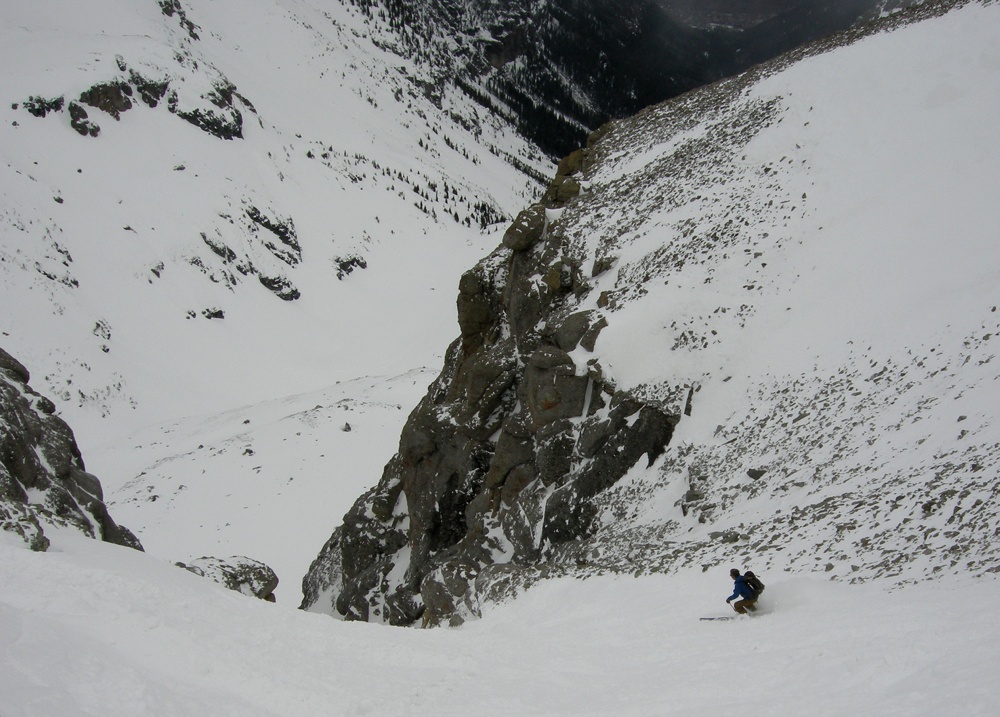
{"x": 247, "y": 413}
{"x": 90, "y": 629}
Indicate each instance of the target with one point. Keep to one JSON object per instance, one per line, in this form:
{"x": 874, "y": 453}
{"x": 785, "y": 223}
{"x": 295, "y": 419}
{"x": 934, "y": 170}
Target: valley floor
{"x": 90, "y": 629}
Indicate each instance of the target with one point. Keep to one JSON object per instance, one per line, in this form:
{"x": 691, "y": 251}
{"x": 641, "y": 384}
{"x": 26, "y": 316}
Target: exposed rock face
{"x": 80, "y": 121}
{"x": 43, "y": 480}
{"x": 244, "y": 575}
{"x": 40, "y": 107}
{"x": 224, "y": 122}
{"x": 499, "y": 461}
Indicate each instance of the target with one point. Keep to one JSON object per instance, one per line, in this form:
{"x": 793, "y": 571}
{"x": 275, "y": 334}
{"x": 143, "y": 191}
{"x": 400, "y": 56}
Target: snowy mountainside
{"x": 840, "y": 350}
{"x": 290, "y": 166}
{"x": 558, "y": 69}
{"x": 754, "y": 324}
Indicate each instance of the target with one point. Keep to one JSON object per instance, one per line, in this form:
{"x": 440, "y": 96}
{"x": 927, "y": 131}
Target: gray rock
{"x": 526, "y": 230}
{"x": 43, "y": 480}
{"x": 325, "y": 581}
{"x": 111, "y": 97}
{"x": 503, "y": 456}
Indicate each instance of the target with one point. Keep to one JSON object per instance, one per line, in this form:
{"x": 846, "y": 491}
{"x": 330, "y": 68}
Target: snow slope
{"x": 93, "y": 629}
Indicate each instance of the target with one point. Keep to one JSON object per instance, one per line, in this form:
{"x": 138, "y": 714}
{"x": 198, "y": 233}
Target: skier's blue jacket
{"x": 741, "y": 589}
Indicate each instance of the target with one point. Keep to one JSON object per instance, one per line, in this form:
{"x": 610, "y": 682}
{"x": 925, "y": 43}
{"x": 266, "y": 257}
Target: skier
{"x": 748, "y": 597}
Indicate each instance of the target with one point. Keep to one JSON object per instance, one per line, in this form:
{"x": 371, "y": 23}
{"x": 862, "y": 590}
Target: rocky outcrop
{"x": 40, "y": 106}
{"x": 244, "y": 575}
{"x": 224, "y": 121}
{"x": 216, "y": 112}
{"x": 499, "y": 462}
{"x": 43, "y": 480}
{"x": 111, "y": 97}
{"x": 80, "y": 121}
{"x": 173, "y": 8}
{"x": 287, "y": 249}
{"x": 511, "y": 466}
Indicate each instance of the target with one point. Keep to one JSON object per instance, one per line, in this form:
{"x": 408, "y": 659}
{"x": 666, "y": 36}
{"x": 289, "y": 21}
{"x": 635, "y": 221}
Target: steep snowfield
{"x": 90, "y": 629}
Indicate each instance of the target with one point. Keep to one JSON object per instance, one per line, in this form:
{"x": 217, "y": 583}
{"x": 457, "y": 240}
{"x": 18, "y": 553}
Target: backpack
{"x": 753, "y": 582}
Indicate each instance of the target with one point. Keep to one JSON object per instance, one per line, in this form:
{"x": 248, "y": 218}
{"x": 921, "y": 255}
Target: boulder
{"x": 526, "y": 230}
{"x": 111, "y": 97}
{"x": 244, "y": 575}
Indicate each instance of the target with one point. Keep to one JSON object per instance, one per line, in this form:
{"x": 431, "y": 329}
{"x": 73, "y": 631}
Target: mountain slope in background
{"x": 757, "y": 317}
{"x": 558, "y": 69}
{"x": 288, "y": 168}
